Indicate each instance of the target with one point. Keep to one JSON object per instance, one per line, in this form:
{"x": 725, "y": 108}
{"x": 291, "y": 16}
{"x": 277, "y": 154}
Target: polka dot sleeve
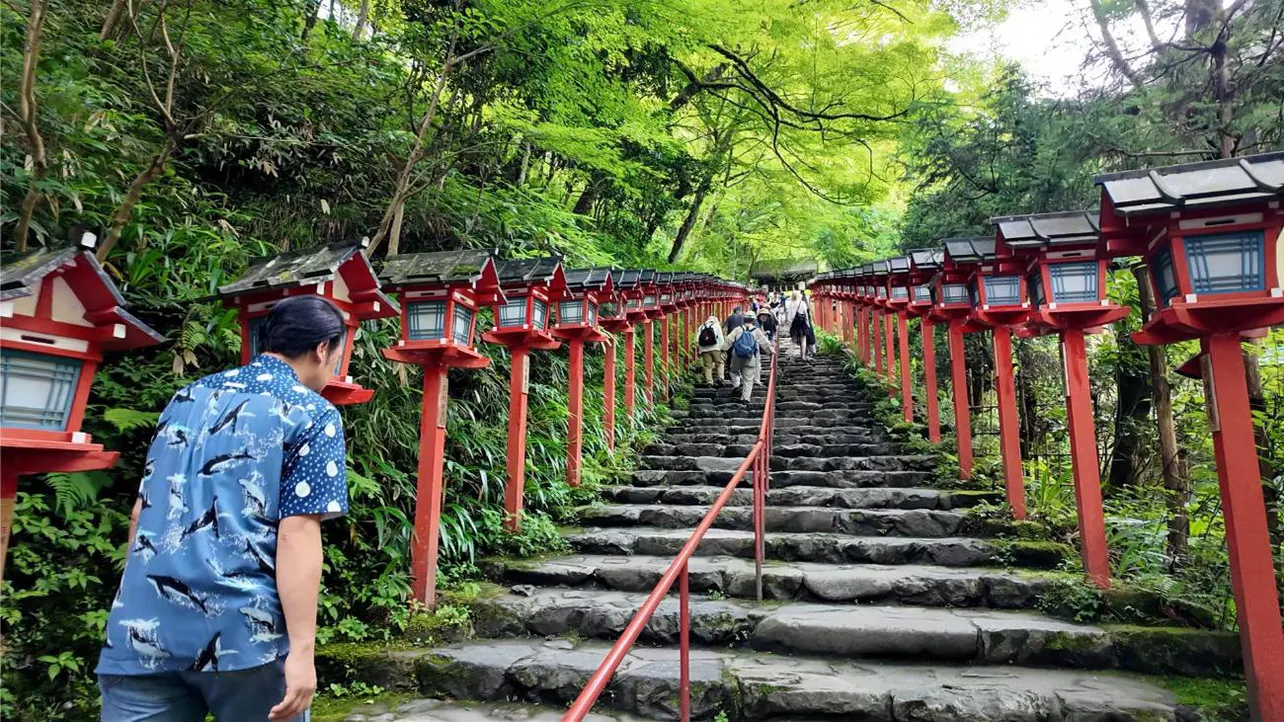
{"x": 314, "y": 480}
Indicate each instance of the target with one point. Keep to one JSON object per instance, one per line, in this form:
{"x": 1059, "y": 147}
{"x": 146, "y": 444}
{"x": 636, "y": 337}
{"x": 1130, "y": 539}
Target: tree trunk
{"x": 584, "y": 206}
{"x": 1257, "y": 404}
{"x": 126, "y": 207}
{"x": 1132, "y": 414}
{"x": 689, "y": 222}
{"x": 362, "y": 14}
{"x": 311, "y": 21}
{"x": 111, "y": 19}
{"x": 1172, "y": 466}
{"x": 27, "y": 111}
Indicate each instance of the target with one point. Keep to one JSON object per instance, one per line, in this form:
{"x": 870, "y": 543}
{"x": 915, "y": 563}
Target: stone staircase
{"x": 882, "y": 601}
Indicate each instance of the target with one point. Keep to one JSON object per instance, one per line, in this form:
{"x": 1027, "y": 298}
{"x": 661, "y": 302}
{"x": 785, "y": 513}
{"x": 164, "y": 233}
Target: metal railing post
{"x": 684, "y": 643}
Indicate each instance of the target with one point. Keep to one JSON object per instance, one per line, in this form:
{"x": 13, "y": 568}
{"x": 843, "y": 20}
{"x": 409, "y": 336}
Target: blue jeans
{"x": 241, "y": 696}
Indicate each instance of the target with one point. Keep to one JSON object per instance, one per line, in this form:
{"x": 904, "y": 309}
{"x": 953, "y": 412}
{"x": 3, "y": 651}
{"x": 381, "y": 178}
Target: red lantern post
{"x": 1067, "y": 288}
{"x": 898, "y": 301}
{"x": 521, "y": 325}
{"x": 339, "y": 272}
{"x": 924, "y": 265}
{"x": 999, "y": 302}
{"x": 440, "y": 293}
{"x": 61, "y": 312}
{"x": 953, "y": 307}
{"x": 1211, "y": 236}
{"x": 577, "y": 324}
{"x": 613, "y": 316}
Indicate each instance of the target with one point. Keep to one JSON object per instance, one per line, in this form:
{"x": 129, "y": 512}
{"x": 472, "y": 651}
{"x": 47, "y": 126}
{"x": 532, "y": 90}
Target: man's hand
{"x": 300, "y": 685}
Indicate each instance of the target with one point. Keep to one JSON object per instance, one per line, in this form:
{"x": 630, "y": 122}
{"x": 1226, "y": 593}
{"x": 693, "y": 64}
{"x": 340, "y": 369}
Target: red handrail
{"x": 759, "y": 459}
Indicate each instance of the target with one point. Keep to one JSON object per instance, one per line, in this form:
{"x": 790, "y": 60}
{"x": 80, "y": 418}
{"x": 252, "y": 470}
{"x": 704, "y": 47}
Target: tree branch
{"x": 27, "y": 112}
{"x": 1112, "y": 48}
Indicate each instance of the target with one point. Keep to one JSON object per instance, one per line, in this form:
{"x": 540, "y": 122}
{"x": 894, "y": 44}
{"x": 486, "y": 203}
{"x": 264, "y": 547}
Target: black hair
{"x": 736, "y": 309}
{"x": 297, "y": 325}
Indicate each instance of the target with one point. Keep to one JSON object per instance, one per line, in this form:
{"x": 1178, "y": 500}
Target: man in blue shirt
{"x": 216, "y": 611}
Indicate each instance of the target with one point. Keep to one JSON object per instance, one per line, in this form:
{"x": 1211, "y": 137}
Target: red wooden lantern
{"x": 649, "y": 305}
{"x": 667, "y": 290}
{"x": 924, "y": 265}
{"x": 898, "y": 301}
{"x": 1211, "y": 236}
{"x": 953, "y": 306}
{"x": 521, "y": 325}
{"x": 577, "y": 323}
{"x": 440, "y": 294}
{"x": 1067, "y": 282}
{"x": 884, "y": 324}
{"x": 339, "y": 272}
{"x": 620, "y": 315}
{"x": 996, "y": 290}
{"x": 61, "y": 311}
{"x": 865, "y": 314}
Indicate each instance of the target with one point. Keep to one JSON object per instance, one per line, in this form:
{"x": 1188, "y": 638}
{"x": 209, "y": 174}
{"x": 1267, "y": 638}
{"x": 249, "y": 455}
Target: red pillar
{"x": 1009, "y": 425}
{"x": 608, "y": 393}
{"x": 929, "y": 380}
{"x": 962, "y": 413}
{"x": 889, "y": 332}
{"x": 1083, "y": 457}
{"x": 864, "y": 321}
{"x": 665, "y": 359}
{"x": 429, "y": 489}
{"x": 575, "y": 417}
{"x": 648, "y": 353}
{"x": 907, "y": 384}
{"x": 8, "y": 493}
{"x": 518, "y": 384}
{"x": 876, "y": 339}
{"x": 1247, "y": 536}
{"x": 630, "y": 374}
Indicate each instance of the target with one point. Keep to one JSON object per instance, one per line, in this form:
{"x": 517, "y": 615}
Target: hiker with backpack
{"x": 709, "y": 345}
{"x": 747, "y": 344}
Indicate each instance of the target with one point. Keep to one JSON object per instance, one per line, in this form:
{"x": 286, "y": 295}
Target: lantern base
{"x": 343, "y": 393}
{"x": 918, "y": 310}
{"x": 588, "y": 334}
{"x": 447, "y": 355}
{"x": 25, "y": 456}
{"x": 954, "y": 313}
{"x": 520, "y": 337}
{"x": 1044, "y": 321}
{"x": 1009, "y": 318}
{"x": 617, "y": 325}
{"x": 1184, "y": 321}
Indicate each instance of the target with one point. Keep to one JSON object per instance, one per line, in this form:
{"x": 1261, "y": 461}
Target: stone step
{"x": 871, "y": 498}
{"x": 739, "y": 418}
{"x": 899, "y": 462}
{"x": 921, "y": 523}
{"x": 751, "y": 685}
{"x": 782, "y": 437}
{"x": 932, "y": 586}
{"x": 399, "y": 709}
{"x": 792, "y": 546}
{"x": 838, "y": 631}
{"x": 787, "y": 450}
{"x": 849, "y": 479}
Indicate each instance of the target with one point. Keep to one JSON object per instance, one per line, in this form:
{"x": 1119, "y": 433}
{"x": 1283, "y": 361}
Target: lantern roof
{"x": 531, "y": 271}
{"x": 590, "y": 280}
{"x": 312, "y": 266}
{"x": 926, "y": 259}
{"x": 970, "y": 249}
{"x": 900, "y": 264}
{"x": 1039, "y": 230}
{"x": 475, "y": 267}
{"x": 664, "y": 278}
{"x": 103, "y": 305}
{"x": 1195, "y": 185}
{"x": 647, "y": 276}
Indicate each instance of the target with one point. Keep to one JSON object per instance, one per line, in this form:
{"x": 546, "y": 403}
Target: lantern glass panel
{"x": 1074, "y": 282}
{"x": 900, "y": 292}
{"x": 1002, "y": 290}
{"x": 649, "y": 301}
{"x": 973, "y": 296}
{"x": 36, "y": 390}
{"x": 1164, "y": 276}
{"x": 592, "y": 308}
{"x": 255, "y": 328}
{"x": 570, "y": 312}
{"x": 426, "y": 320}
{"x": 882, "y": 292}
{"x": 922, "y": 293}
{"x": 463, "y": 325}
{"x": 513, "y": 313}
{"x": 635, "y": 303}
{"x": 1034, "y": 282}
{"x": 955, "y": 293}
{"x": 541, "y": 314}
{"x": 610, "y": 310}
{"x": 1227, "y": 262}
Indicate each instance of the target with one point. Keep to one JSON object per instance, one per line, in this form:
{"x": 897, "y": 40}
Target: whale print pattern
{"x": 234, "y": 453}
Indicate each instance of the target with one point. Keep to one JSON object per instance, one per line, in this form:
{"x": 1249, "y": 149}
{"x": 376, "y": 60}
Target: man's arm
{"x": 298, "y": 581}
{"x": 133, "y": 521}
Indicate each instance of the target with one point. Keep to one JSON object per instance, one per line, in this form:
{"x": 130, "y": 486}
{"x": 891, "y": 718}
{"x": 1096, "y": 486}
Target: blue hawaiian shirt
{"x": 234, "y": 453}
